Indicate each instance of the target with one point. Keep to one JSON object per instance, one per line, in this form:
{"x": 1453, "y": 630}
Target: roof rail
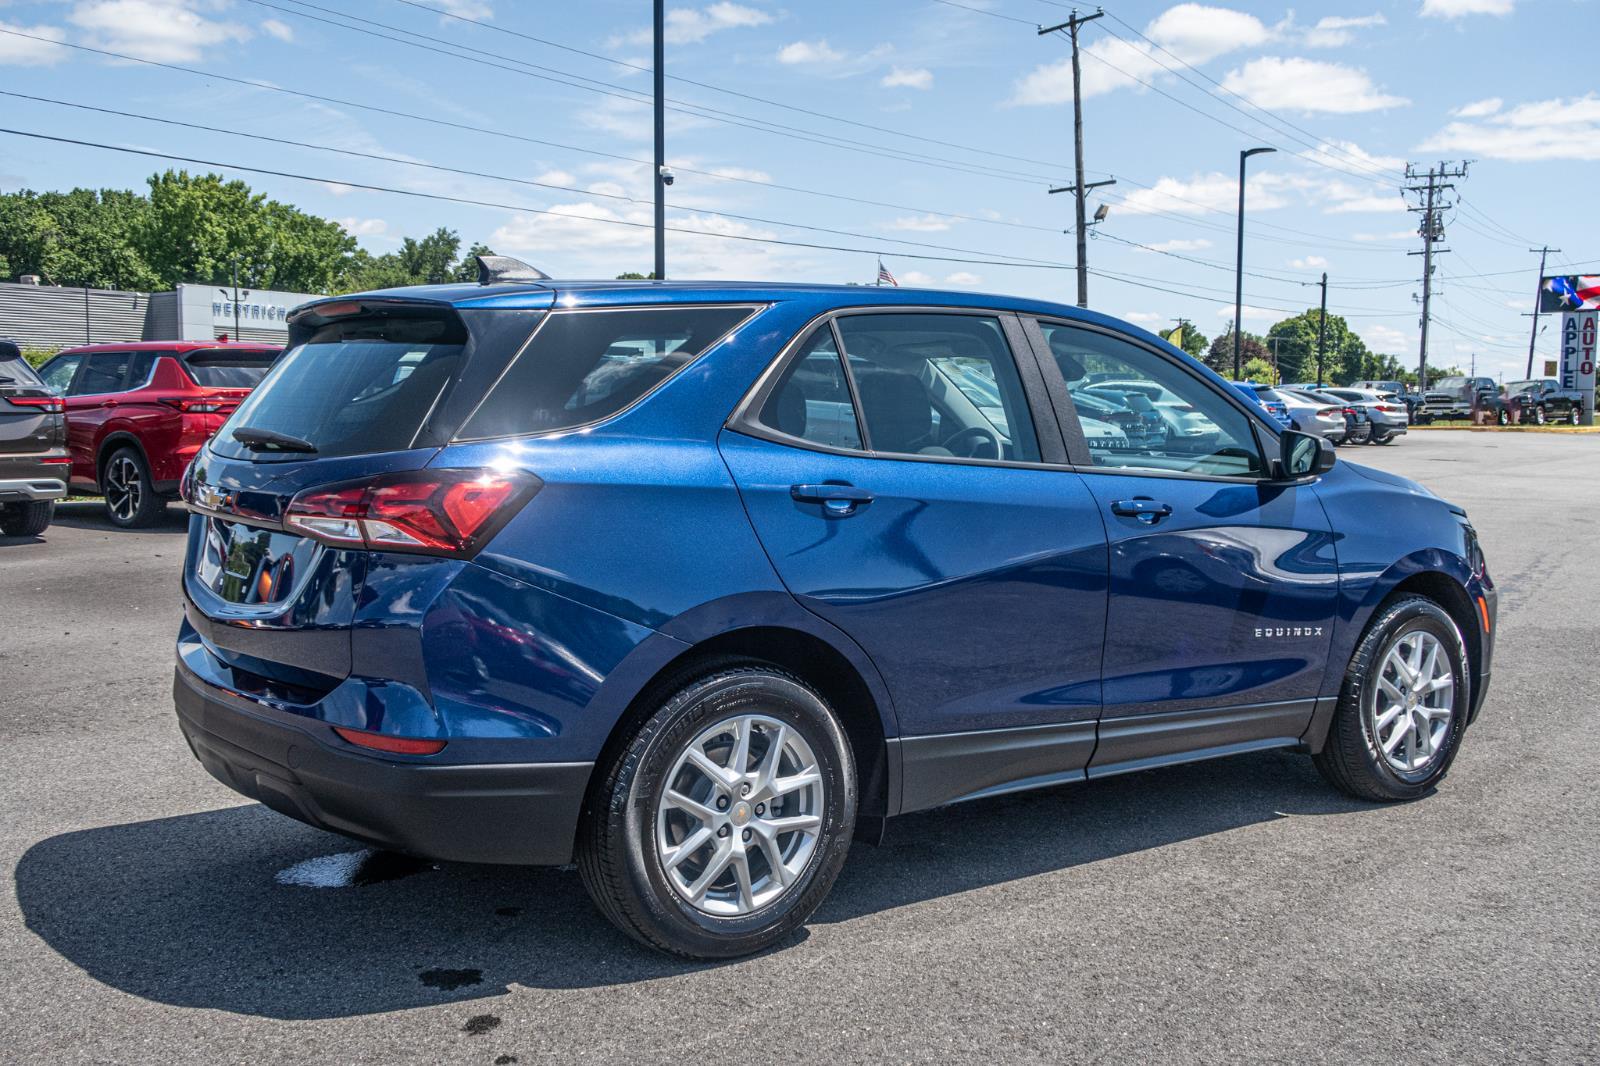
{"x": 494, "y": 269}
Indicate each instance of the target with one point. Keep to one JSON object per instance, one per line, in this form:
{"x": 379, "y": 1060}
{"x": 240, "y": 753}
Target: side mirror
{"x": 1304, "y": 455}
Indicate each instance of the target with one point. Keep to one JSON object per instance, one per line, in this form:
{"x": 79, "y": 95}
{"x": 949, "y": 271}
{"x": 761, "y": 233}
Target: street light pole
{"x": 1238, "y": 274}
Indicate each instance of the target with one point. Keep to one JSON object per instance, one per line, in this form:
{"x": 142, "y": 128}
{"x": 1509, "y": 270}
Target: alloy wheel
{"x": 739, "y": 815}
{"x": 1413, "y": 703}
{"x": 124, "y": 488}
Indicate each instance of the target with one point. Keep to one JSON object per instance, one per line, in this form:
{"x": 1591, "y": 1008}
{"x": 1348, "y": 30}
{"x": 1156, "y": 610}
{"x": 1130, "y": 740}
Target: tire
{"x": 26, "y": 519}
{"x": 629, "y": 827}
{"x": 1539, "y": 416}
{"x": 1388, "y": 438}
{"x": 1377, "y": 439}
{"x": 131, "y": 500}
{"x": 1574, "y": 416}
{"x": 1503, "y": 418}
{"x": 1353, "y": 759}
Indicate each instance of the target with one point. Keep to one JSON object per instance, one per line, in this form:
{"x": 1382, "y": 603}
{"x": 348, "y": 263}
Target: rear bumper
{"x": 522, "y": 813}
{"x": 34, "y": 489}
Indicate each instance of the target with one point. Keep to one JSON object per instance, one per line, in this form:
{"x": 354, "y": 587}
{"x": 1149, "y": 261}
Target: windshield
{"x": 1522, "y": 386}
{"x": 363, "y": 384}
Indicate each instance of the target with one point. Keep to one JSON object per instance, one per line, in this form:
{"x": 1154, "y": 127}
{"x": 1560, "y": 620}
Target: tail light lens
{"x": 1351, "y": 411}
{"x": 384, "y": 742}
{"x": 432, "y": 512}
{"x": 49, "y": 403}
{"x": 1327, "y": 412}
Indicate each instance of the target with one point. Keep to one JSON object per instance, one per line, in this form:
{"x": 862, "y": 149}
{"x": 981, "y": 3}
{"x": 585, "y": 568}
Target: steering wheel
{"x": 979, "y": 434}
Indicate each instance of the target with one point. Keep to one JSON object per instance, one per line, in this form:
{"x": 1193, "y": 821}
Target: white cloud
{"x": 1547, "y": 129}
{"x": 281, "y": 30}
{"x": 1177, "y": 245}
{"x": 1195, "y": 33}
{"x": 1339, "y": 198}
{"x": 920, "y": 224}
{"x": 364, "y": 227}
{"x": 962, "y": 279}
{"x": 742, "y": 173}
{"x": 467, "y": 9}
{"x": 1347, "y": 155}
{"x": 165, "y": 31}
{"x": 1395, "y": 235}
{"x": 689, "y": 25}
{"x": 1333, "y": 31}
{"x": 1142, "y": 316}
{"x": 916, "y": 279}
{"x": 908, "y": 78}
{"x": 1306, "y": 85}
{"x": 1205, "y": 193}
{"x": 557, "y": 177}
{"x": 1385, "y": 339}
{"x": 806, "y": 52}
{"x": 1453, "y": 9}
{"x": 21, "y": 52}
{"x": 1309, "y": 262}
{"x": 338, "y": 188}
{"x": 1479, "y": 108}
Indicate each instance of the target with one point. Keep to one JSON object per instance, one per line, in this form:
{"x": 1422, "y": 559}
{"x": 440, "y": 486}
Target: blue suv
{"x": 694, "y": 583}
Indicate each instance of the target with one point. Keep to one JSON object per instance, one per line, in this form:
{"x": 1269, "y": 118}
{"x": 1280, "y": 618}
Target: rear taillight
{"x": 48, "y": 404}
{"x": 434, "y": 512}
{"x": 1351, "y": 411}
{"x": 393, "y": 745}
{"x": 201, "y": 407}
{"x": 1385, "y": 408}
{"x": 1327, "y": 412}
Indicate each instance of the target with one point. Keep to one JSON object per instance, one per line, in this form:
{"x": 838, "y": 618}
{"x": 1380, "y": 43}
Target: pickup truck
{"x": 1542, "y": 400}
{"x": 1456, "y": 397}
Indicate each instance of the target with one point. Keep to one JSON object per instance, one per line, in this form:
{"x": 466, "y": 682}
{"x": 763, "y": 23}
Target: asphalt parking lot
{"x": 1237, "y": 909}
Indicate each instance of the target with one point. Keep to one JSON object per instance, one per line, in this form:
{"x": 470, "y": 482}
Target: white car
{"x": 1311, "y": 412}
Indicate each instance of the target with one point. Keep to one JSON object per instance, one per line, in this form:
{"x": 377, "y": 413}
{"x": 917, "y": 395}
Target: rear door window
{"x": 222, "y": 368}
{"x": 584, "y": 366}
{"x": 361, "y": 384}
{"x": 102, "y": 373}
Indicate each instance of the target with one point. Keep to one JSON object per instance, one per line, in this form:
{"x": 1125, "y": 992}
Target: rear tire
{"x": 26, "y": 519}
{"x": 1574, "y": 416}
{"x": 1403, "y": 706}
{"x": 131, "y": 500}
{"x": 1503, "y": 418}
{"x": 682, "y": 777}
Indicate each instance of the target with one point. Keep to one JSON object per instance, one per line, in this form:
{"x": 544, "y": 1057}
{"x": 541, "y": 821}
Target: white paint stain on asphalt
{"x": 325, "y": 871}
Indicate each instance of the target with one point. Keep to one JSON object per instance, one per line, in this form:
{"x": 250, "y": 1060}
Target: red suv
{"x": 137, "y": 413}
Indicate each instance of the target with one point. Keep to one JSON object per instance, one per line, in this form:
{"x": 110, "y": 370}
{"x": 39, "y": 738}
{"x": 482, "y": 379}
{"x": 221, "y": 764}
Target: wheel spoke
{"x": 694, "y": 843}
{"x": 714, "y": 869}
{"x": 767, "y": 773}
{"x": 782, "y": 786}
{"x": 693, "y": 806}
{"x": 1390, "y": 689}
{"x": 706, "y": 765}
{"x": 739, "y": 761}
{"x": 1394, "y": 739}
{"x": 793, "y": 823}
{"x": 1390, "y": 715}
{"x": 740, "y": 861}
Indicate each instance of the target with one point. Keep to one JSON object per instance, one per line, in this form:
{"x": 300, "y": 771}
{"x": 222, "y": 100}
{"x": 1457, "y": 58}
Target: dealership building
{"x": 52, "y": 316}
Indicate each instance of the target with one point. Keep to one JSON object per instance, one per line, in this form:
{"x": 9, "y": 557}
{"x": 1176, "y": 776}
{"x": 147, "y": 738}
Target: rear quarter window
{"x": 584, "y": 366}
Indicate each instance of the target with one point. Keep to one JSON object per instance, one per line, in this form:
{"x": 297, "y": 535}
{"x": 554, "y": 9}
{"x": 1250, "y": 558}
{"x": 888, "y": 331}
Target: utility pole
{"x": 1431, "y": 231}
{"x": 1322, "y": 327}
{"x": 1080, "y": 190}
{"x": 661, "y": 142}
{"x": 1533, "y": 335}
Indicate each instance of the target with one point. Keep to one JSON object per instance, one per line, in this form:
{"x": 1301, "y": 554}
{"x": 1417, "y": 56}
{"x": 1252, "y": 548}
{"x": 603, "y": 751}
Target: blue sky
{"x": 954, "y": 121}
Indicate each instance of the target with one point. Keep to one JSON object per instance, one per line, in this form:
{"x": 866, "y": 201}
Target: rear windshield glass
{"x": 582, "y": 366}
{"x": 223, "y": 369}
{"x": 17, "y": 369}
{"x": 362, "y": 384}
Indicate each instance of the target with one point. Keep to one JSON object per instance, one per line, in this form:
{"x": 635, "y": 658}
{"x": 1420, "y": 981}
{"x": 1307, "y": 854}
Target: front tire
{"x": 1574, "y": 416}
{"x": 1503, "y": 418}
{"x": 131, "y": 500}
{"x": 1403, "y": 706}
{"x": 26, "y": 519}
{"x": 1539, "y": 416}
{"x": 722, "y": 822}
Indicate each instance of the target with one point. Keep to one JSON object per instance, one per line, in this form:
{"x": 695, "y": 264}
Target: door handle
{"x": 110, "y": 403}
{"x": 835, "y": 499}
{"x": 1145, "y": 510}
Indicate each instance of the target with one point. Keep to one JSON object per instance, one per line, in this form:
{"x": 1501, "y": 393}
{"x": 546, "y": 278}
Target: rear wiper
{"x": 263, "y": 440}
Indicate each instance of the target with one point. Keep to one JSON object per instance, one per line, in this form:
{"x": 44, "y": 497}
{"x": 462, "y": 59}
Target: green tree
{"x": 633, "y": 275}
{"x": 467, "y": 269}
{"x": 1260, "y": 370}
{"x": 83, "y": 237}
{"x": 1219, "y": 356}
{"x": 1191, "y": 340}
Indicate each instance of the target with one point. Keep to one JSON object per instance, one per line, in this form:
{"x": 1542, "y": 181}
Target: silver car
{"x": 1311, "y": 412}
{"x": 1387, "y": 411}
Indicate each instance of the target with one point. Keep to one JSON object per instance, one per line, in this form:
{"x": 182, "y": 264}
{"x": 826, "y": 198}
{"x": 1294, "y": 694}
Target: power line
{"x": 524, "y": 208}
{"x": 423, "y": 164}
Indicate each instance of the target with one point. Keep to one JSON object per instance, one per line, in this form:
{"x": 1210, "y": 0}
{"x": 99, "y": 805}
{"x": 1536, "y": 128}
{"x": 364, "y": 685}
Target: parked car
{"x": 1314, "y": 412}
{"x": 1387, "y": 414}
{"x": 1263, "y": 395}
{"x": 33, "y": 452}
{"x": 1398, "y": 389}
{"x": 137, "y": 413}
{"x": 462, "y": 583}
{"x": 1457, "y": 397}
{"x": 1542, "y": 400}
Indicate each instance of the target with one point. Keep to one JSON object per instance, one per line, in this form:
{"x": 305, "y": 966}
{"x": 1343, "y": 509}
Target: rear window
{"x": 225, "y": 369}
{"x": 357, "y": 385}
{"x": 582, "y": 366}
{"x": 17, "y": 369}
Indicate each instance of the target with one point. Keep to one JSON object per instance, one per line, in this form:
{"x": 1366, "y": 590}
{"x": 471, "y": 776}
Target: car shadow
{"x": 91, "y": 514}
{"x": 212, "y": 910}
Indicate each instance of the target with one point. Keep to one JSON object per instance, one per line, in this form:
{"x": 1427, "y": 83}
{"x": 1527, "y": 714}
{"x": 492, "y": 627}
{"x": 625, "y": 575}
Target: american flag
{"x": 884, "y": 277}
{"x": 1580, "y": 293}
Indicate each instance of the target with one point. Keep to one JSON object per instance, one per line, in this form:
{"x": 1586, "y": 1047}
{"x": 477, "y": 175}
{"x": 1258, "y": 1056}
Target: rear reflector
{"x": 392, "y": 745}
{"x": 62, "y": 460}
{"x": 432, "y": 512}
